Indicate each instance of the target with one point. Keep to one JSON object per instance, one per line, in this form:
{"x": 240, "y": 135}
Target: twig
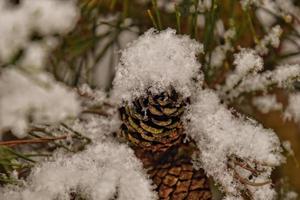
{"x": 240, "y": 162}
{"x": 245, "y": 181}
{"x": 245, "y": 166}
{"x": 31, "y": 141}
{"x": 76, "y": 133}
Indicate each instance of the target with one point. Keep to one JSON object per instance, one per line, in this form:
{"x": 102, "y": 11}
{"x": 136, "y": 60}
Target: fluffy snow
{"x": 26, "y": 98}
{"x": 27, "y": 94}
{"x": 156, "y": 61}
{"x": 291, "y": 195}
{"x": 272, "y": 38}
{"x": 220, "y": 135}
{"x": 293, "y": 110}
{"x": 246, "y": 62}
{"x": 288, "y": 147}
{"x": 282, "y": 76}
{"x": 105, "y": 169}
{"x": 36, "y": 54}
{"x": 99, "y": 173}
{"x": 219, "y": 53}
{"x": 44, "y": 16}
{"x": 267, "y": 103}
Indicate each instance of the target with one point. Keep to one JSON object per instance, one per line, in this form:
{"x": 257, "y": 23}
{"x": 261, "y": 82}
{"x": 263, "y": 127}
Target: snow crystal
{"x": 283, "y": 76}
{"x": 99, "y": 173}
{"x": 293, "y": 110}
{"x": 272, "y": 38}
{"x": 266, "y": 103}
{"x": 219, "y": 53}
{"x": 220, "y": 135}
{"x": 38, "y": 97}
{"x": 288, "y": 147}
{"x": 98, "y": 128}
{"x": 92, "y": 97}
{"x": 156, "y": 61}
{"x": 246, "y": 61}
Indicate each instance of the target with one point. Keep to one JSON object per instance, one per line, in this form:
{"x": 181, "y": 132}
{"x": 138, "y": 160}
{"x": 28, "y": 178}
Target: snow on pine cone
{"x": 152, "y": 125}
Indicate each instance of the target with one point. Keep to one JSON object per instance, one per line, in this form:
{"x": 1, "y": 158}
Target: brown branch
{"x": 31, "y": 141}
{"x": 243, "y": 164}
{"x": 246, "y": 166}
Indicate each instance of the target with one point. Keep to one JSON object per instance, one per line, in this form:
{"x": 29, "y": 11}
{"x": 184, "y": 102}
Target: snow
{"x": 282, "y": 76}
{"x": 288, "y": 147}
{"x": 27, "y": 93}
{"x": 167, "y": 5}
{"x": 219, "y": 53}
{"x": 38, "y": 97}
{"x": 45, "y": 17}
{"x": 36, "y": 54}
{"x": 97, "y": 173}
{"x": 272, "y": 38}
{"x": 220, "y": 135}
{"x": 291, "y": 195}
{"x": 153, "y": 62}
{"x": 156, "y": 61}
{"x": 246, "y": 62}
{"x": 266, "y": 103}
{"x": 293, "y": 110}
{"x": 105, "y": 168}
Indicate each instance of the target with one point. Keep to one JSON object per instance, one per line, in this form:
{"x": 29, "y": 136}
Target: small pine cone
{"x": 153, "y": 122}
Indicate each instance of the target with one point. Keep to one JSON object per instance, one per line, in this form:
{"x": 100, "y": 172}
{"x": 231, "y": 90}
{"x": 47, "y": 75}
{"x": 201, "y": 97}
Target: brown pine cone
{"x": 173, "y": 174}
{"x": 153, "y": 128}
{"x": 153, "y": 122}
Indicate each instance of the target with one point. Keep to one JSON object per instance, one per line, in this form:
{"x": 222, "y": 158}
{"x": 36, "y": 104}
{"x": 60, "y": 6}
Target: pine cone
{"x": 153, "y": 122}
{"x": 152, "y": 125}
{"x": 173, "y": 174}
